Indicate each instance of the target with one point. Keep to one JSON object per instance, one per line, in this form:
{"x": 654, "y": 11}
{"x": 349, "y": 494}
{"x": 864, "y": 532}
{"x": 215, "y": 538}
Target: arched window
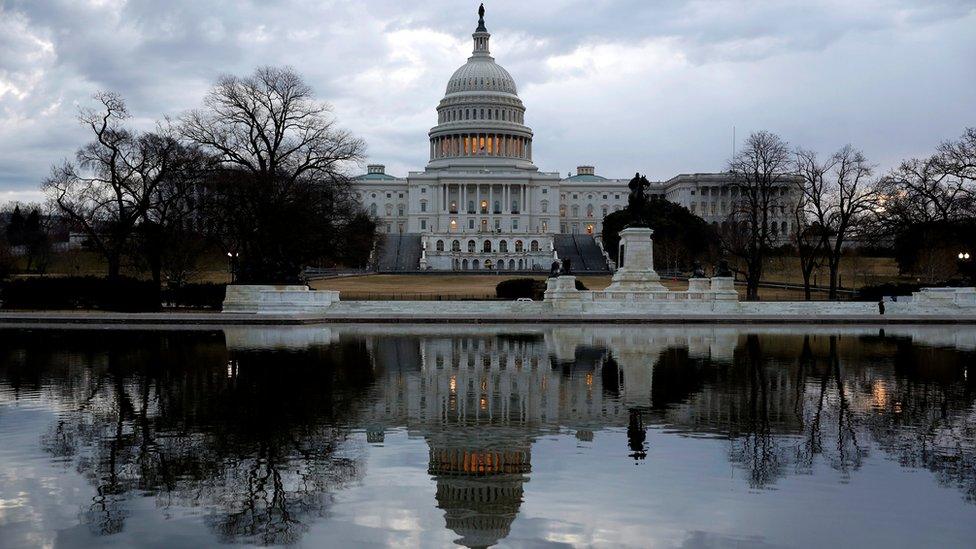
{"x": 503, "y": 246}
{"x": 440, "y": 246}
{"x": 511, "y": 264}
{"x": 372, "y": 209}
{"x": 456, "y": 246}
{"x": 486, "y": 246}
{"x": 589, "y": 210}
{"x": 471, "y": 245}
{"x": 519, "y": 247}
{"x": 575, "y": 211}
{"x": 389, "y": 210}
{"x": 534, "y": 246}
{"x": 464, "y": 264}
{"x": 785, "y": 228}
{"x": 475, "y": 265}
{"x": 545, "y": 206}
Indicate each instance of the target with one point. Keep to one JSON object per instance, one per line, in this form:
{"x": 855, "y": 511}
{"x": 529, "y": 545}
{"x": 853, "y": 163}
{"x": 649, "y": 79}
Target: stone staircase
{"x": 582, "y": 251}
{"x": 398, "y": 253}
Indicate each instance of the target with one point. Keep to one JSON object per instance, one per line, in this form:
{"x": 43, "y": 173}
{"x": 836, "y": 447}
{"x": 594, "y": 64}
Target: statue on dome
{"x": 481, "y": 19}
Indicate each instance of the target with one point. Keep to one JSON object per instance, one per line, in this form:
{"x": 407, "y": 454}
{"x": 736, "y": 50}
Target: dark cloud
{"x": 626, "y": 84}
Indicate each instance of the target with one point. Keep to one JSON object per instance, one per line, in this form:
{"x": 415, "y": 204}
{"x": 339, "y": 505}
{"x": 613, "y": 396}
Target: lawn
{"x": 450, "y": 286}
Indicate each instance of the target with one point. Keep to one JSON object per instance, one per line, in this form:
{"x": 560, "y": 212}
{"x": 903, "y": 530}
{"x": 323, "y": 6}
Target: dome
{"x": 481, "y": 74}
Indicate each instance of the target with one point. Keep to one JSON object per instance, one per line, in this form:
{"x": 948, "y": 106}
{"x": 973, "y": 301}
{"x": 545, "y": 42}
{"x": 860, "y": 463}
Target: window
{"x": 456, "y": 246}
{"x": 373, "y": 195}
{"x": 503, "y": 246}
{"x": 515, "y": 224}
{"x": 498, "y": 224}
{"x": 423, "y": 205}
{"x": 589, "y": 210}
{"x": 515, "y": 205}
{"x": 518, "y": 246}
{"x": 486, "y": 246}
{"x": 616, "y": 197}
{"x": 471, "y": 224}
{"x": 423, "y": 226}
{"x": 400, "y": 210}
{"x": 545, "y": 190}
{"x": 471, "y": 245}
{"x": 604, "y": 196}
{"x": 423, "y": 190}
{"x": 471, "y": 207}
{"x": 562, "y": 212}
{"x": 604, "y": 211}
{"x": 440, "y": 245}
{"x": 498, "y": 207}
{"x": 534, "y": 246}
{"x": 544, "y": 206}
{"x": 389, "y": 195}
{"x": 575, "y": 211}
{"x": 372, "y": 209}
{"x": 389, "y": 210}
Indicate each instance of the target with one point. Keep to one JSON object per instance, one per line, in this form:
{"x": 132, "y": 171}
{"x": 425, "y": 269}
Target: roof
{"x": 586, "y": 178}
{"x": 373, "y": 177}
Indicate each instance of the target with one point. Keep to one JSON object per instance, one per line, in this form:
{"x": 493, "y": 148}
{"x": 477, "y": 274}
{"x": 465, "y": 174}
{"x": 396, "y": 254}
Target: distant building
{"x": 482, "y": 204}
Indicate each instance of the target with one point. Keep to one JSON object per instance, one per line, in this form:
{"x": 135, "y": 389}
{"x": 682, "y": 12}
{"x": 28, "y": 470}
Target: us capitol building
{"x": 482, "y": 204}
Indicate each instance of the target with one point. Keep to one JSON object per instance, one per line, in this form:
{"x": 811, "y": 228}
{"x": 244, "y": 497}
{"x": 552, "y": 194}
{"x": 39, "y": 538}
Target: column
{"x": 491, "y": 200}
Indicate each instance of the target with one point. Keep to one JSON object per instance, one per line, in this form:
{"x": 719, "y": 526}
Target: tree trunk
{"x": 834, "y": 267}
{"x": 114, "y": 265}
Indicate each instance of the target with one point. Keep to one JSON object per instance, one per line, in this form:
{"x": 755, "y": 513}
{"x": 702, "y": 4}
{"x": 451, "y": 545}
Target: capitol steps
{"x": 398, "y": 253}
{"x": 582, "y": 251}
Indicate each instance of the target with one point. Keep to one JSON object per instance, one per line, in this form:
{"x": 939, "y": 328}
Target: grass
{"x": 394, "y": 286}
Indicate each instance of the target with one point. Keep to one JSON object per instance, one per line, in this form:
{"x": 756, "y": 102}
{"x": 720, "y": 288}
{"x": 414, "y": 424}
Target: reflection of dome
{"x": 480, "y": 491}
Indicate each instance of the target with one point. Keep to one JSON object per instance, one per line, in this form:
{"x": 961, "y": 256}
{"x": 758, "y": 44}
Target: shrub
{"x": 204, "y": 295}
{"x": 89, "y": 292}
{"x": 876, "y": 292}
{"x": 515, "y": 288}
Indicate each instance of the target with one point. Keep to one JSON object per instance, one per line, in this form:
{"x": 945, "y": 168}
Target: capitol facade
{"x": 481, "y": 203}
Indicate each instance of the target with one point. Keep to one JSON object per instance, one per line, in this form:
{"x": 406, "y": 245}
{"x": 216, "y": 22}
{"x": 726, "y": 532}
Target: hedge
{"x": 515, "y": 288}
{"x": 203, "y": 296}
{"x": 88, "y": 292}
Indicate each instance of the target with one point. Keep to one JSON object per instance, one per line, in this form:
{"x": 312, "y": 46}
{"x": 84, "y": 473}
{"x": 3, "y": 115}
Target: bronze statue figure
{"x": 637, "y": 201}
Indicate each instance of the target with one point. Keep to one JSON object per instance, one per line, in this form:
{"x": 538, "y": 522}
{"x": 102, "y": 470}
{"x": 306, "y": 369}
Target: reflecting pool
{"x": 476, "y": 436}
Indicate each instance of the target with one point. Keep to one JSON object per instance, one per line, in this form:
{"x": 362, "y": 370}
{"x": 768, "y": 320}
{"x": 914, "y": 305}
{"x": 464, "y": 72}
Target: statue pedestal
{"x": 635, "y": 260}
{"x": 276, "y": 299}
{"x": 562, "y": 293}
{"x": 699, "y": 284}
{"x": 724, "y": 288}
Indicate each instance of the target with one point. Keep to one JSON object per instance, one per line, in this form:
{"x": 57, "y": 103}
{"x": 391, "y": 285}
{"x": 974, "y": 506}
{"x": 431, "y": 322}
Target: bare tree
{"x": 941, "y": 187}
{"x": 761, "y": 172}
{"x": 111, "y": 186}
{"x": 838, "y": 196}
{"x": 809, "y": 214}
{"x": 283, "y": 158}
{"x": 852, "y": 195}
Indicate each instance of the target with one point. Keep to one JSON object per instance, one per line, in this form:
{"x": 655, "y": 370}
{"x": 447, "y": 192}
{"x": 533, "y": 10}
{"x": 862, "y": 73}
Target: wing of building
{"x": 482, "y": 204}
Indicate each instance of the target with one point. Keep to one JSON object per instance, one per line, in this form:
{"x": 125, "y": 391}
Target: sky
{"x": 625, "y": 85}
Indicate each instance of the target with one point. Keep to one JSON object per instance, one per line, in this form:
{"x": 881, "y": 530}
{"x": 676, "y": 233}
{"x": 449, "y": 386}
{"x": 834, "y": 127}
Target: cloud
{"x": 627, "y": 85}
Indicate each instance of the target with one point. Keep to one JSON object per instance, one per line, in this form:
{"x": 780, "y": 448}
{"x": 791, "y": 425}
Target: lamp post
{"x": 965, "y": 266}
{"x": 232, "y": 258}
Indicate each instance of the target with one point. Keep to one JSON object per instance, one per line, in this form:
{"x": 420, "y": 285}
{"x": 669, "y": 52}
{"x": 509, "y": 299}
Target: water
{"x": 477, "y": 436}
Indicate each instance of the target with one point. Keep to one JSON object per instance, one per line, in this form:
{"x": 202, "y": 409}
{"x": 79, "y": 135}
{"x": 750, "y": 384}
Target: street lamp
{"x": 963, "y": 256}
{"x": 232, "y": 257}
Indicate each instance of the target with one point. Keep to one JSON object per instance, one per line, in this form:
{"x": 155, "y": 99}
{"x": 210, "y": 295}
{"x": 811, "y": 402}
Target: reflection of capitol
{"x": 480, "y": 401}
{"x": 480, "y": 396}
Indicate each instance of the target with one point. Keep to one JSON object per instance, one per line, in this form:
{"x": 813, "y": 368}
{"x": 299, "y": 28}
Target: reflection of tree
{"x": 254, "y": 440}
